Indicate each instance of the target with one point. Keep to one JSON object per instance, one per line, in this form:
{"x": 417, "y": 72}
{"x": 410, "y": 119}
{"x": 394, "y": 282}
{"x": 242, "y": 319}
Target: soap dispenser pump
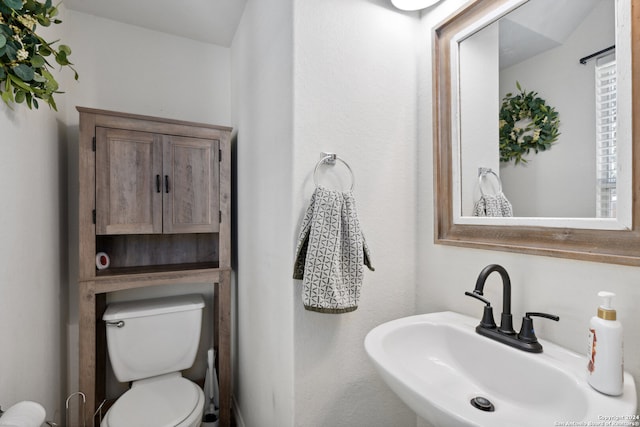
{"x": 606, "y": 366}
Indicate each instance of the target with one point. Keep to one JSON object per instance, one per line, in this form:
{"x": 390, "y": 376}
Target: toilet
{"x": 150, "y": 342}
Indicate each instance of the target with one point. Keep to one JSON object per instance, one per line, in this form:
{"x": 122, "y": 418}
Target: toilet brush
{"x": 215, "y": 390}
{"x": 211, "y": 415}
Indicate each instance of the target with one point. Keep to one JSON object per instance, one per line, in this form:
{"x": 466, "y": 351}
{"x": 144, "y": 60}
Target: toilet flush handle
{"x": 118, "y": 324}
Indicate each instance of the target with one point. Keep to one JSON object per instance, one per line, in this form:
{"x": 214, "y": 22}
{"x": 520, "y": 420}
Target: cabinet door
{"x": 191, "y": 194}
{"x": 128, "y": 169}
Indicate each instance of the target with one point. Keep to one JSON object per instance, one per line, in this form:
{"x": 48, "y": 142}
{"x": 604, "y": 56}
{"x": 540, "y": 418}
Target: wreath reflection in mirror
{"x": 526, "y": 123}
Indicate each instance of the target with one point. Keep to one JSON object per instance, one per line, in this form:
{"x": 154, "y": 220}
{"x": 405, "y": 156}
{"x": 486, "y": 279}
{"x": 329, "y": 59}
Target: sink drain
{"x": 483, "y": 404}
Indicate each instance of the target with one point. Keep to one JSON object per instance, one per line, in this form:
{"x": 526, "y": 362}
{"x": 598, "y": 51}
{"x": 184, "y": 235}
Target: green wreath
{"x": 526, "y": 123}
{"x": 25, "y": 71}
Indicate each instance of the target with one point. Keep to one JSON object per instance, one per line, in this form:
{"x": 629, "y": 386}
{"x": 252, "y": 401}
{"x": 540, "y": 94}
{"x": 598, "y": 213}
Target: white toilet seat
{"x": 165, "y": 401}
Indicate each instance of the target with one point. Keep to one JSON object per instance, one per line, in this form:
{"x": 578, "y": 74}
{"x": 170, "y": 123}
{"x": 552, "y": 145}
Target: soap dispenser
{"x": 606, "y": 366}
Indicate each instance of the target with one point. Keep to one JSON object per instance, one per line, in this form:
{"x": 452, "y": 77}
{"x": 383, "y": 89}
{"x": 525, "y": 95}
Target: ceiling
{"x": 540, "y": 25}
{"x": 209, "y": 21}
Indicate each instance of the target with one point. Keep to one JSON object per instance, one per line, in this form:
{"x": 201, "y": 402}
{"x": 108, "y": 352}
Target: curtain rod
{"x": 584, "y": 60}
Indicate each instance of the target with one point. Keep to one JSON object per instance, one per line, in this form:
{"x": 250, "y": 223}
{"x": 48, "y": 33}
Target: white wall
{"x": 33, "y": 247}
{"x": 262, "y": 65}
{"x": 355, "y": 95}
{"x": 564, "y": 287}
{"x": 132, "y": 69}
{"x": 33, "y": 241}
{"x": 341, "y": 79}
{"x": 479, "y": 103}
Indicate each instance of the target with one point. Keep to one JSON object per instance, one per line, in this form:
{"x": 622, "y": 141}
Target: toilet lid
{"x": 164, "y": 403}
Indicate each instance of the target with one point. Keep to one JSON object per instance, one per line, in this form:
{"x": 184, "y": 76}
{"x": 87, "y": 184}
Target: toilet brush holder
{"x": 215, "y": 423}
{"x": 210, "y": 417}
{"x": 210, "y": 420}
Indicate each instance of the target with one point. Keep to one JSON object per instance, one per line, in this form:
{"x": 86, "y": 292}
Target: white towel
{"x": 331, "y": 252}
{"x": 493, "y": 205}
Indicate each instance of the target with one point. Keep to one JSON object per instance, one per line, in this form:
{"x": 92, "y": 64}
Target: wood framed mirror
{"x": 603, "y": 240}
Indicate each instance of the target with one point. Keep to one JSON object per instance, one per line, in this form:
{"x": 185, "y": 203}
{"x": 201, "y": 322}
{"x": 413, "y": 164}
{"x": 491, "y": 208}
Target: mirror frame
{"x": 610, "y": 246}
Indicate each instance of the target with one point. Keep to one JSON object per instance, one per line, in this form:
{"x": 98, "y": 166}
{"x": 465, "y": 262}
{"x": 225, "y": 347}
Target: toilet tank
{"x": 153, "y": 337}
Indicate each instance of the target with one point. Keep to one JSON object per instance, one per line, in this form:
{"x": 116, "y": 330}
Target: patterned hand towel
{"x": 331, "y": 252}
{"x": 493, "y": 205}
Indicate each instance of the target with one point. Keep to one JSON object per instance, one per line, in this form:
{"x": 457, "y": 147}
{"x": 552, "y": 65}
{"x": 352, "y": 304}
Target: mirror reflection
{"x": 467, "y": 100}
{"x": 537, "y": 127}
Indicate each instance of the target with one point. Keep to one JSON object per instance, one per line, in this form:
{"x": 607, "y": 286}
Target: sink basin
{"x": 436, "y": 363}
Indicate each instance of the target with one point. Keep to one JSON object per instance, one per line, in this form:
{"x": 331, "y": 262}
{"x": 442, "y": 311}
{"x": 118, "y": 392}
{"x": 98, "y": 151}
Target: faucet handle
{"x": 527, "y": 333}
{"x": 545, "y": 315}
{"x": 477, "y": 296}
{"x": 487, "y": 316}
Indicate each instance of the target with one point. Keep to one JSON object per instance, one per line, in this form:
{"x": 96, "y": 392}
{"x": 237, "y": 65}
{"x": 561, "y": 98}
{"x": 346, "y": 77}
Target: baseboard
{"x": 236, "y": 413}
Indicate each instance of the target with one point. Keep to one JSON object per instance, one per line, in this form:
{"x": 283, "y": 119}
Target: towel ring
{"x": 330, "y": 159}
{"x": 482, "y": 172}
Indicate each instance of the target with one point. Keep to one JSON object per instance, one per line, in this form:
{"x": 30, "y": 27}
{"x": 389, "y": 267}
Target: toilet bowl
{"x": 165, "y": 401}
{"x": 150, "y": 342}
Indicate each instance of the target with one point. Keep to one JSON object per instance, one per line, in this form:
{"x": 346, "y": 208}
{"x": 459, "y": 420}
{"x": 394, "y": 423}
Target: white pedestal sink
{"x": 436, "y": 363}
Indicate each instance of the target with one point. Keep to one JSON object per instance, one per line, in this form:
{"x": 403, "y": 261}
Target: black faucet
{"x": 525, "y": 340}
{"x": 506, "y": 320}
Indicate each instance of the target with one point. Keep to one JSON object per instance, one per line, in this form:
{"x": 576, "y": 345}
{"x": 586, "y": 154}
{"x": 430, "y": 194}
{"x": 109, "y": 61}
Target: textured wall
{"x": 341, "y": 79}
{"x": 262, "y": 114}
{"x": 355, "y": 95}
{"x": 33, "y": 241}
{"x": 33, "y": 257}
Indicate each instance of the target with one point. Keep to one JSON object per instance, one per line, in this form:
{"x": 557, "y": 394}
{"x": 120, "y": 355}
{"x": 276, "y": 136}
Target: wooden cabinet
{"x": 152, "y": 184}
{"x": 155, "y": 196}
{"x": 127, "y": 162}
{"x": 191, "y": 196}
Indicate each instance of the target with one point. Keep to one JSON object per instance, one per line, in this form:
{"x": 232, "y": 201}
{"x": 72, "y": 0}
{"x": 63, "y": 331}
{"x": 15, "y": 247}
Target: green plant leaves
{"x": 61, "y": 56}
{"x": 7, "y": 94}
{"x": 13, "y": 4}
{"x": 20, "y": 96}
{"x": 64, "y": 48}
{"x": 51, "y": 85}
{"x": 24, "y": 69}
{"x": 44, "y": 50}
{"x": 37, "y": 61}
{"x": 10, "y": 51}
{"x": 44, "y": 21}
